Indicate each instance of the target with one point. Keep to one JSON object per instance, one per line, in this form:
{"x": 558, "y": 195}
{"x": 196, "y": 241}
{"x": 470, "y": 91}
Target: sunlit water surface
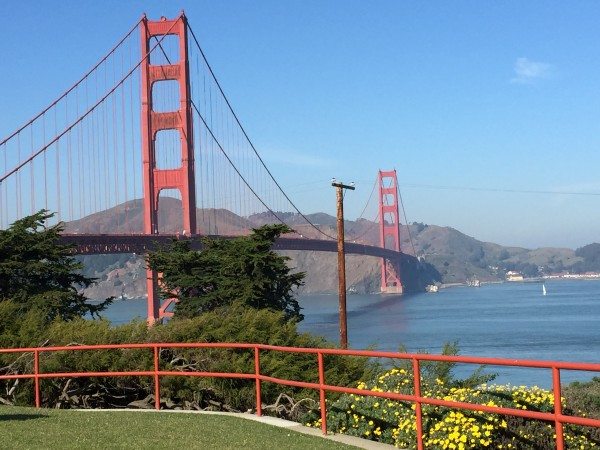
{"x": 509, "y": 320}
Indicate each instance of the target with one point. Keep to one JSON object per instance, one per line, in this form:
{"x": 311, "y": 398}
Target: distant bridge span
{"x": 415, "y": 277}
{"x": 98, "y": 244}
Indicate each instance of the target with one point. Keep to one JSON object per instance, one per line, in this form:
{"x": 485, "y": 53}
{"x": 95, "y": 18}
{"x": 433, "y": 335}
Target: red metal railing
{"x": 557, "y": 417}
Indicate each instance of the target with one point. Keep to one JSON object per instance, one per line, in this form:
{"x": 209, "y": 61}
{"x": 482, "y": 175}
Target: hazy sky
{"x": 501, "y": 98}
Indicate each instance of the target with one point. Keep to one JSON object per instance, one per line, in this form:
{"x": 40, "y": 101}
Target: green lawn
{"x": 51, "y": 428}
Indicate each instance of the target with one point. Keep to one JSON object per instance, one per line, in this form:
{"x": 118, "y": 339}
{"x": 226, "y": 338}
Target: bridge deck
{"x": 90, "y": 244}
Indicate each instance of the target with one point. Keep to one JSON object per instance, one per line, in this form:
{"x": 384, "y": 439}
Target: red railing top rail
{"x": 531, "y": 363}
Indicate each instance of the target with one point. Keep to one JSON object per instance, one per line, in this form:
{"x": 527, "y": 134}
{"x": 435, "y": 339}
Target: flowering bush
{"x": 393, "y": 422}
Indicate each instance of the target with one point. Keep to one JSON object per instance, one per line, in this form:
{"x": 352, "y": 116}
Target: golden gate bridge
{"x": 146, "y": 147}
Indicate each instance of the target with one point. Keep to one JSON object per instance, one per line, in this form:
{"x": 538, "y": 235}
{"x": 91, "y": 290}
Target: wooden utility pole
{"x": 341, "y": 261}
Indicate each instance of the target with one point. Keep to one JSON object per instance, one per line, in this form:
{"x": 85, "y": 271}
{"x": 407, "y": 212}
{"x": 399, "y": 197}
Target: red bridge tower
{"x": 155, "y": 179}
{"x": 389, "y": 230}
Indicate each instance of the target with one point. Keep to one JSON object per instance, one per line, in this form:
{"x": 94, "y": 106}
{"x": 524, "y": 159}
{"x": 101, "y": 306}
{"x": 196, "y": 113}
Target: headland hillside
{"x": 456, "y": 257}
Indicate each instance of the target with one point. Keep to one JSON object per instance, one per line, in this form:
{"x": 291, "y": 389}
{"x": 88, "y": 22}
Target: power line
{"x": 503, "y": 190}
{"x": 492, "y": 189}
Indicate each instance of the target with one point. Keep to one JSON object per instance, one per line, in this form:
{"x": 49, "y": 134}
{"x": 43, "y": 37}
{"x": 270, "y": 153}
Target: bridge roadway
{"x": 97, "y": 244}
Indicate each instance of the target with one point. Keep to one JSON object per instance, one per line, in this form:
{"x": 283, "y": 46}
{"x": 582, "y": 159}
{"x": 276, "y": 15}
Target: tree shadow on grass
{"x": 22, "y": 417}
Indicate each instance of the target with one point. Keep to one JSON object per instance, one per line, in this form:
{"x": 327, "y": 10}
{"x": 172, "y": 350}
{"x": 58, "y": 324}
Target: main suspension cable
{"x": 216, "y": 141}
{"x": 248, "y": 138}
{"x": 75, "y": 85}
{"x": 88, "y": 112}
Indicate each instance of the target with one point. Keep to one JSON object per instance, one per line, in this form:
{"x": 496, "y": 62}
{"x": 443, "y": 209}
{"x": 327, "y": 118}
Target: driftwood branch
{"x": 286, "y": 407}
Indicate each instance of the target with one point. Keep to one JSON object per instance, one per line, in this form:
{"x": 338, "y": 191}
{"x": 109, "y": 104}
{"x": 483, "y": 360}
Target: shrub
{"x": 393, "y": 422}
{"x": 232, "y": 324}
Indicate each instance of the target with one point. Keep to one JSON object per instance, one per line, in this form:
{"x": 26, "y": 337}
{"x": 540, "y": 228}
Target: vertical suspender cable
{"x": 204, "y": 159}
{"x": 58, "y": 177}
{"x": 221, "y": 174}
{"x": 45, "y": 164}
{"x": 2, "y": 206}
{"x": 104, "y": 149}
{"x": 31, "y": 176}
{"x": 83, "y": 175}
{"x": 406, "y": 219}
{"x": 70, "y": 169}
{"x": 89, "y": 155}
{"x": 31, "y": 189}
{"x": 95, "y": 164}
{"x": 132, "y": 142}
{"x": 19, "y": 198}
{"x": 5, "y": 188}
{"x": 79, "y": 189}
{"x": 212, "y": 155}
{"x": 69, "y": 186}
{"x": 114, "y": 145}
{"x": 124, "y": 149}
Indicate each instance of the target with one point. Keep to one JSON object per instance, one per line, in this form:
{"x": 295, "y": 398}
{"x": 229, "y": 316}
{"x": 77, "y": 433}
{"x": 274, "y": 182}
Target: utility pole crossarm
{"x": 339, "y": 184}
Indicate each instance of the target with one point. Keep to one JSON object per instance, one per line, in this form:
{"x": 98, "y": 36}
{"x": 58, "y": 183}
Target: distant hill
{"x": 459, "y": 257}
{"x": 128, "y": 218}
{"x": 456, "y": 256}
{"x": 590, "y": 258}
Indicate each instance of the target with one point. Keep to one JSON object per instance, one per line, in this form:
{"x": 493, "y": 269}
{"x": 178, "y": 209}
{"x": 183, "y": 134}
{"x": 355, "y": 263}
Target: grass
{"x": 51, "y": 428}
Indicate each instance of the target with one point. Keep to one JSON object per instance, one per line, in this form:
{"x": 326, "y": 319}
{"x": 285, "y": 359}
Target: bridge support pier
{"x": 152, "y": 122}
{"x": 389, "y": 230}
{"x": 151, "y": 288}
{"x": 391, "y": 283}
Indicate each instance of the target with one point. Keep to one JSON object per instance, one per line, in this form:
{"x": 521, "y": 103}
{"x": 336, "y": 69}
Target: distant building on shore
{"x": 581, "y": 276}
{"x": 513, "y": 276}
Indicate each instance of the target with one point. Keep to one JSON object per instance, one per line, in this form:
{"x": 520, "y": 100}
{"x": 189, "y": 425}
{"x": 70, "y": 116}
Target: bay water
{"x": 506, "y": 320}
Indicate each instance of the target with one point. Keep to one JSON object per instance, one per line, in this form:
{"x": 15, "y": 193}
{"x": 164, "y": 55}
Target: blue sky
{"x": 485, "y": 95}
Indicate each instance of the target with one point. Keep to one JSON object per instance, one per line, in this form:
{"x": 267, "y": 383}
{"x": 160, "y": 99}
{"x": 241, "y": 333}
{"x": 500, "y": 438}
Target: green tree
{"x": 242, "y": 270}
{"x": 38, "y": 273}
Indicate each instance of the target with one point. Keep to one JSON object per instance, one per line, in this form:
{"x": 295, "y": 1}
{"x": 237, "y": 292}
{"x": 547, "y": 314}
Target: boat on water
{"x": 431, "y": 288}
{"x": 543, "y": 289}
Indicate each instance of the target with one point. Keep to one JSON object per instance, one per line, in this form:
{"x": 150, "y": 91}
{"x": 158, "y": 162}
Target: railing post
{"x": 257, "y": 378}
{"x": 156, "y": 378}
{"x": 558, "y": 426}
{"x": 36, "y": 372}
{"x": 322, "y": 393}
{"x": 418, "y": 414}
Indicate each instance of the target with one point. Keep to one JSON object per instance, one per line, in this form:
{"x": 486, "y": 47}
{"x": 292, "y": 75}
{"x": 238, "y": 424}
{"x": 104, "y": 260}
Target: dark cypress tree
{"x": 242, "y": 270}
{"x": 37, "y": 272}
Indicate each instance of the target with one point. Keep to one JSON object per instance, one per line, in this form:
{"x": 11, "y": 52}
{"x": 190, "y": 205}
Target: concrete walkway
{"x": 295, "y": 426}
{"x": 274, "y": 421}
